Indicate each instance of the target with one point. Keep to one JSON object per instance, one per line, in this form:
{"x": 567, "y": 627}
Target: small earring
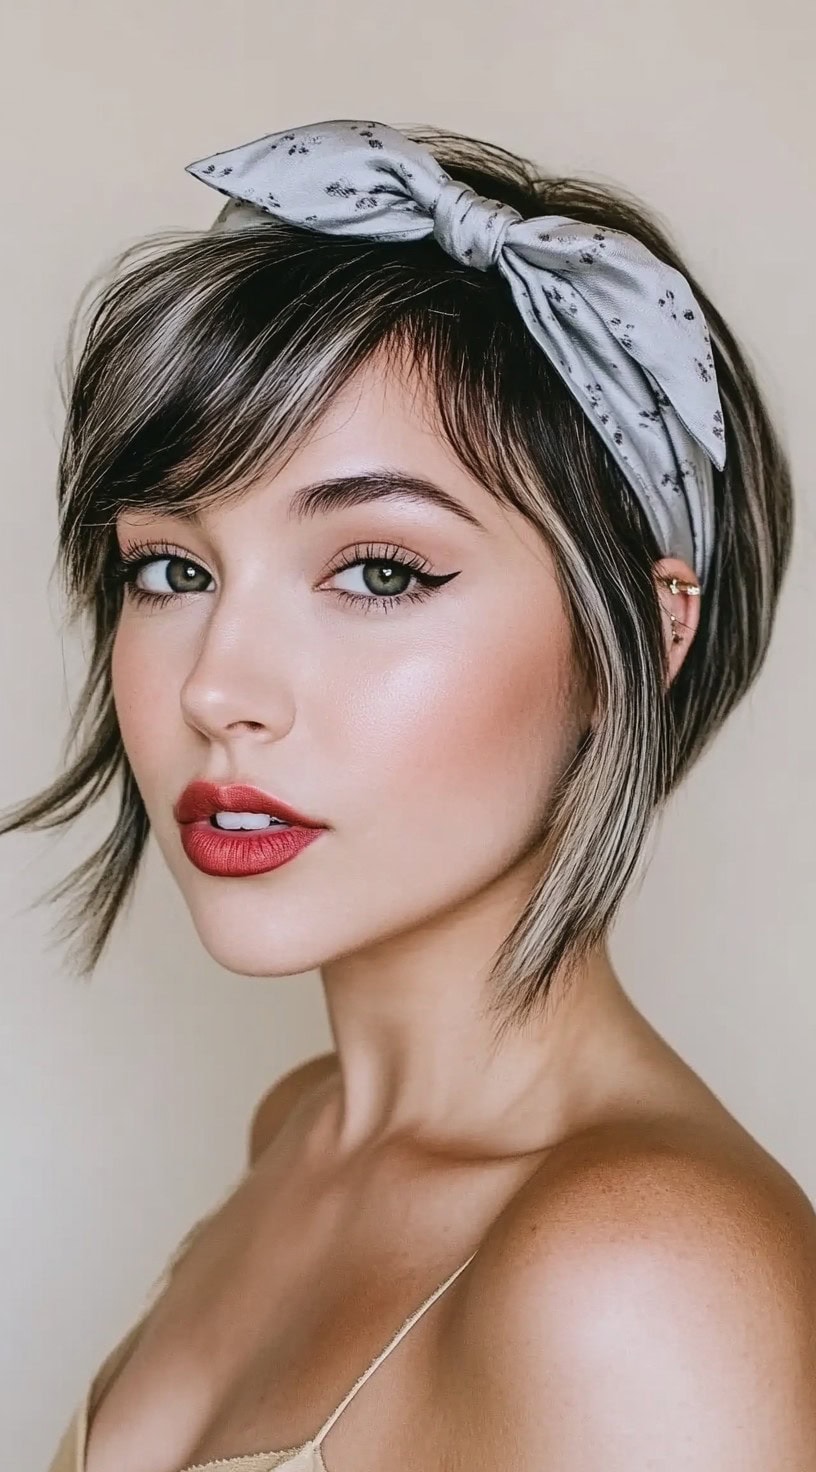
{"x": 675, "y": 585}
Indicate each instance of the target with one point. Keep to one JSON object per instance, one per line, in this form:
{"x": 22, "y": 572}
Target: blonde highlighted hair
{"x": 206, "y": 358}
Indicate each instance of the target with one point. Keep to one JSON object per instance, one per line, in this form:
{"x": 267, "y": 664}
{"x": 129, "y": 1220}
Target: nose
{"x": 240, "y": 685}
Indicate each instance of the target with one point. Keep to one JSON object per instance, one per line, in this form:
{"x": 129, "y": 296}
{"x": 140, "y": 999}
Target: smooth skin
{"x": 644, "y": 1295}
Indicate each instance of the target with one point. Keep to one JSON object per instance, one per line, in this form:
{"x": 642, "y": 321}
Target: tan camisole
{"x": 70, "y": 1456}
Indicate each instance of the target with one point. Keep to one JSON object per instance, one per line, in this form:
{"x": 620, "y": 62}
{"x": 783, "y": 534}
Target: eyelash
{"x": 128, "y": 562}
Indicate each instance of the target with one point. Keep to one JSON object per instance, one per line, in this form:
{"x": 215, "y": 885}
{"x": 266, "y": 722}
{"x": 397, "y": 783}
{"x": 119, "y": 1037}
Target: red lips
{"x": 200, "y": 800}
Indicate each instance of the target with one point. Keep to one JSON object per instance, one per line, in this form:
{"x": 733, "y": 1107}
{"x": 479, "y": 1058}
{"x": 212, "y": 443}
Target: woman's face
{"x": 426, "y": 732}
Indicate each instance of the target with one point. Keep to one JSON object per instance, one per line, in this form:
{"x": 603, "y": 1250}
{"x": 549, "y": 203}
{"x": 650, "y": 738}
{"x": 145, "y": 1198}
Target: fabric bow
{"x": 622, "y": 328}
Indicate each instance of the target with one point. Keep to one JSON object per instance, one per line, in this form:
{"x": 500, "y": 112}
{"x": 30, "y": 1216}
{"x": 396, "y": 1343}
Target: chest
{"x": 274, "y": 1306}
{"x": 201, "y": 1386}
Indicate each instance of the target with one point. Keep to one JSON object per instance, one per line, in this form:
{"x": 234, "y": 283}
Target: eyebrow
{"x": 342, "y": 491}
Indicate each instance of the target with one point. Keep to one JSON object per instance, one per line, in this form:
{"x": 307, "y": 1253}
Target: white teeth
{"x": 235, "y": 821}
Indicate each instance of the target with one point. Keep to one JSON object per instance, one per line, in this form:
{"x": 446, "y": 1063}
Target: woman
{"x": 432, "y": 523}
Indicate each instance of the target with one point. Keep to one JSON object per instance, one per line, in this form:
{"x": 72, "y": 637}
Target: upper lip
{"x": 202, "y": 799}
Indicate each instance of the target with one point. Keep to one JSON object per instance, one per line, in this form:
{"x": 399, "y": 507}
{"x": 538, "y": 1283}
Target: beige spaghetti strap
{"x": 392, "y": 1344}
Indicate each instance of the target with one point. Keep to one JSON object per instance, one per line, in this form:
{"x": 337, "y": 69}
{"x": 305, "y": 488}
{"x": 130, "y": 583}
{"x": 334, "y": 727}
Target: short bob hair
{"x": 207, "y": 358}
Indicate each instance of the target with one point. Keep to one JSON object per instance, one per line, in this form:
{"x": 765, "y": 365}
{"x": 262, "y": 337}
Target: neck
{"x": 418, "y": 1051}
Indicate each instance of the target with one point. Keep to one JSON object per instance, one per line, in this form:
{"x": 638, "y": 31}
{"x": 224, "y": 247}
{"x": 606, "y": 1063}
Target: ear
{"x": 683, "y": 604}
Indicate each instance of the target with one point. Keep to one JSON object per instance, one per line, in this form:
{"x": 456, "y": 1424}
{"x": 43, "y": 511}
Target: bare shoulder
{"x": 278, "y": 1102}
{"x": 649, "y": 1299}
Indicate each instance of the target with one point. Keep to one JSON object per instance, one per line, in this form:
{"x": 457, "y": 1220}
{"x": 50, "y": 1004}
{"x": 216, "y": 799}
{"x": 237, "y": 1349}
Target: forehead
{"x": 385, "y": 418}
{"x": 387, "y": 413}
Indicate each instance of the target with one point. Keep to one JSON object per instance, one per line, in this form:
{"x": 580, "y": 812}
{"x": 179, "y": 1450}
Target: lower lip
{"x": 248, "y": 851}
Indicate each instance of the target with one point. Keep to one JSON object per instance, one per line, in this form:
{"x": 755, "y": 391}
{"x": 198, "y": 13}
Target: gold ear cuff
{"x": 676, "y": 585}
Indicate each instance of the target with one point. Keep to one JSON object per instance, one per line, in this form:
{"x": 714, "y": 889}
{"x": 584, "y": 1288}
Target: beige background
{"x": 125, "y": 1104}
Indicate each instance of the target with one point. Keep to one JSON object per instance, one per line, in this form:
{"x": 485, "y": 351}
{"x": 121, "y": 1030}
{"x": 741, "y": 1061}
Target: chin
{"x": 253, "y": 926}
{"x": 256, "y": 936}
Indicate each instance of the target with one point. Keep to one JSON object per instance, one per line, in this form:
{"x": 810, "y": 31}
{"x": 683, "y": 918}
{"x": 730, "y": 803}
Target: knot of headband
{"x": 621, "y": 327}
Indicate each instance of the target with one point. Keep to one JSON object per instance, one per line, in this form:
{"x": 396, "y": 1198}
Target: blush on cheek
{"x": 516, "y": 681}
{"x": 461, "y": 748}
{"x": 506, "y": 736}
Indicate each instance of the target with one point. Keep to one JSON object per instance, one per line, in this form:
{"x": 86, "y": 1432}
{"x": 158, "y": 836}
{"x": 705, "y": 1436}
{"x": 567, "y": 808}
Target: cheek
{"x": 462, "y": 743}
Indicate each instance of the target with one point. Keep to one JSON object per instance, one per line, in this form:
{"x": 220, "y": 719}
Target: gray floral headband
{"x": 622, "y": 328}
